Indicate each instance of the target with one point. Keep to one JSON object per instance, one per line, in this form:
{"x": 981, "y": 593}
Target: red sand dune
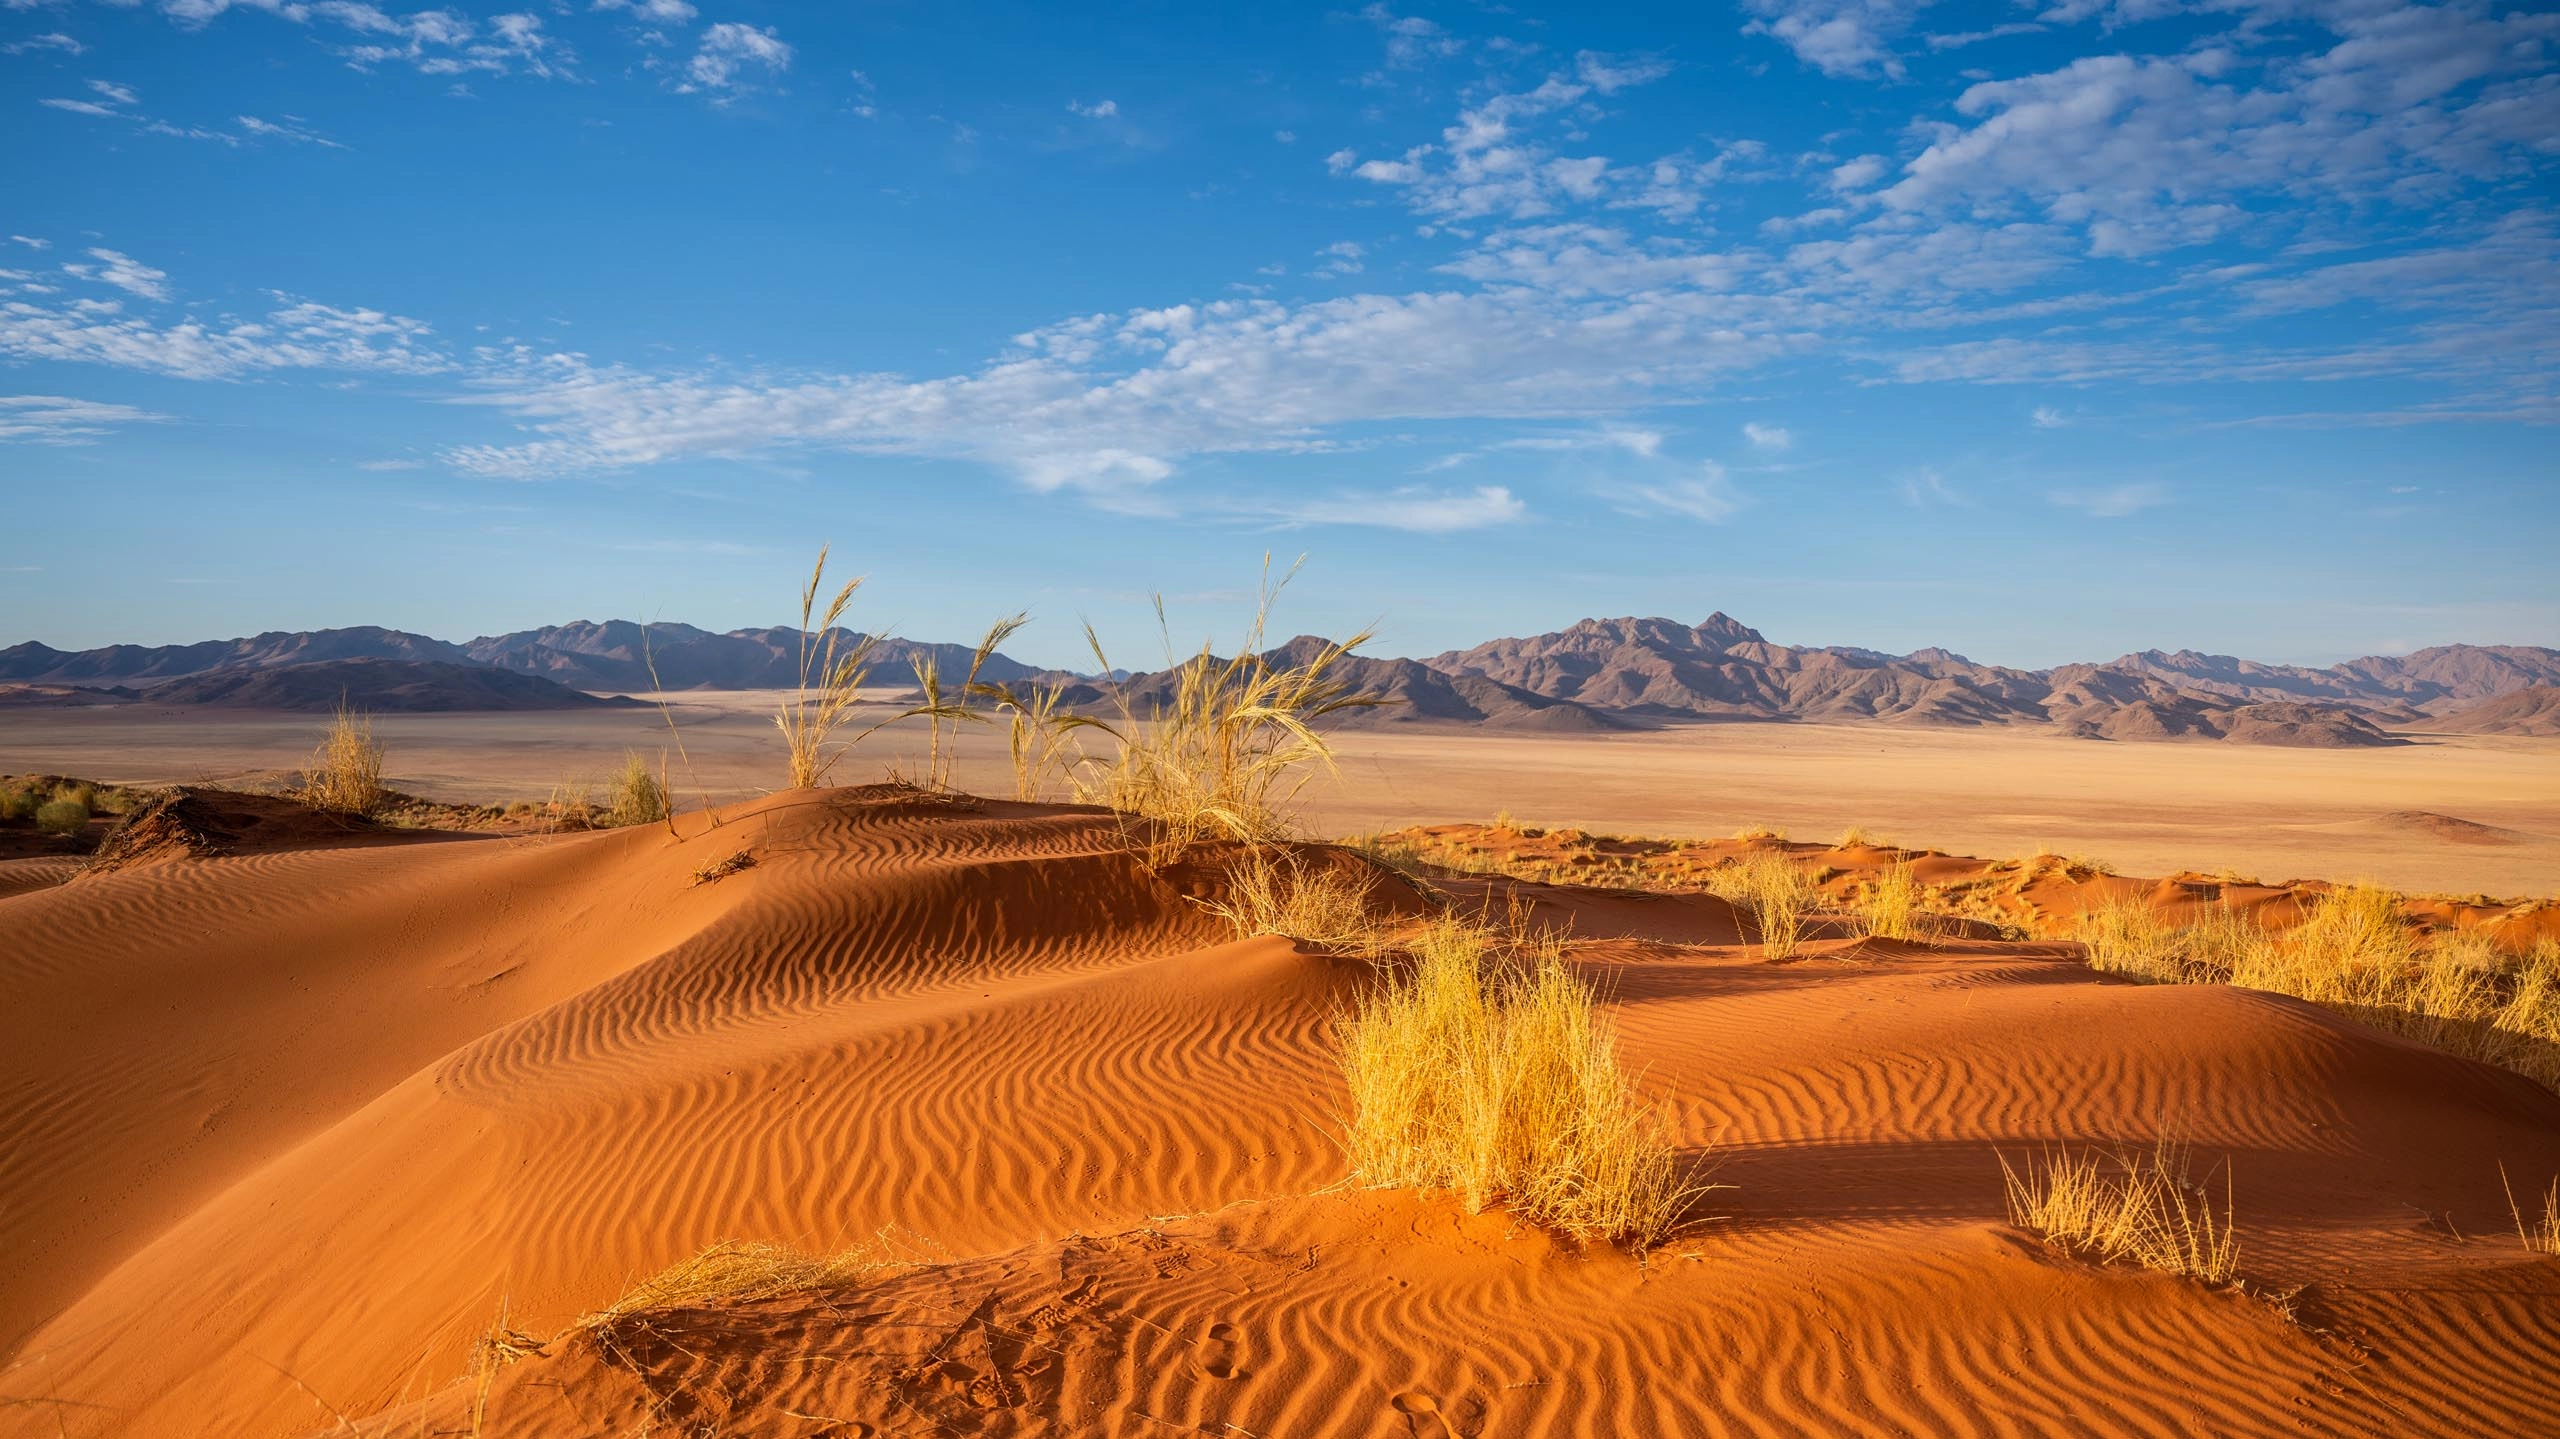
{"x": 286, "y": 1128}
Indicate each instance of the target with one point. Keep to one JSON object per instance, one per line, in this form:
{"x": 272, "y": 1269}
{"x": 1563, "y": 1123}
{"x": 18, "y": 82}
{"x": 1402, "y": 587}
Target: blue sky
{"x": 2043, "y": 331}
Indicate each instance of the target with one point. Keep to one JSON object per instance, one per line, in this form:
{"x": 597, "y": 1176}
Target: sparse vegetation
{"x": 2129, "y": 1207}
{"x": 638, "y": 795}
{"x": 950, "y": 706}
{"x": 1272, "y": 889}
{"x": 18, "y": 800}
{"x": 345, "y": 775}
{"x": 1487, "y": 1069}
{"x": 1760, "y": 834}
{"x": 1893, "y": 906}
{"x": 1774, "y": 890}
{"x": 2357, "y": 954}
{"x": 1040, "y": 735}
{"x": 830, "y": 676}
{"x": 2539, "y": 1235}
{"x": 1225, "y": 758}
{"x": 1856, "y": 837}
{"x": 61, "y": 815}
{"x": 720, "y": 869}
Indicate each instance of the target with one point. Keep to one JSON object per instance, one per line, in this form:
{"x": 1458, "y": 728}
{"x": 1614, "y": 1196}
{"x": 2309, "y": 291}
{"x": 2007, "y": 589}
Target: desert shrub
{"x": 637, "y": 796}
{"x": 18, "y": 801}
{"x": 1273, "y": 890}
{"x": 345, "y": 775}
{"x": 2132, "y": 1207}
{"x": 61, "y": 816}
{"x": 1856, "y": 837}
{"x": 79, "y": 792}
{"x": 1891, "y": 908}
{"x": 568, "y": 807}
{"x": 1760, "y": 834}
{"x": 1494, "y": 1075}
{"x": 1229, "y": 754}
{"x": 1774, "y": 890}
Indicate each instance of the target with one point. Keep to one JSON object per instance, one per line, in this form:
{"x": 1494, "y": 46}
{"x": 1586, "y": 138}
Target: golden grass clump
{"x": 345, "y": 774}
{"x": 19, "y": 800}
{"x": 1493, "y": 1074}
{"x": 1275, "y": 890}
{"x": 1775, "y": 890}
{"x": 2138, "y": 1208}
{"x": 1039, "y": 733}
{"x": 1227, "y": 755}
{"x": 2357, "y": 954}
{"x": 2538, "y": 1235}
{"x": 1892, "y": 906}
{"x": 637, "y": 795}
{"x": 2129, "y": 937}
{"x": 829, "y": 680}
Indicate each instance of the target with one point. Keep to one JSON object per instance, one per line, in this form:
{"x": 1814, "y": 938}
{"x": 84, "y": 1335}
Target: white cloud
{"x": 56, "y": 420}
{"x": 81, "y": 107}
{"x": 731, "y": 50}
{"x": 1767, "y": 437}
{"x": 1928, "y": 487}
{"x": 1410, "y": 39}
{"x": 1343, "y": 257}
{"x": 656, "y": 12}
{"x": 124, "y": 272}
{"x": 1420, "y": 511}
{"x": 1102, "y": 110}
{"x": 1709, "y": 496}
{"x": 1837, "y": 37}
{"x": 1482, "y": 167}
{"x": 116, "y": 94}
{"x": 2046, "y": 417}
{"x": 2114, "y": 502}
{"x": 283, "y": 130}
{"x": 54, "y": 40}
{"x": 31, "y": 242}
{"x": 388, "y": 466}
{"x": 298, "y": 335}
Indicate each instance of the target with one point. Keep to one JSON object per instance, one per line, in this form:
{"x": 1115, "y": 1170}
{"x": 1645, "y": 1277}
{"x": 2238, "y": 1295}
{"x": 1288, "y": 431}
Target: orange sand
{"x": 284, "y": 1130}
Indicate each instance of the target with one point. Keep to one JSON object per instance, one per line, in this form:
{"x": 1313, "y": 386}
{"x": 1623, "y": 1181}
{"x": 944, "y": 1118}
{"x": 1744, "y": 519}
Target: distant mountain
{"x": 610, "y": 656}
{"x": 1410, "y": 693}
{"x": 2534, "y": 710}
{"x": 1598, "y": 674}
{"x": 33, "y": 663}
{"x": 1661, "y": 670}
{"x": 377, "y": 685}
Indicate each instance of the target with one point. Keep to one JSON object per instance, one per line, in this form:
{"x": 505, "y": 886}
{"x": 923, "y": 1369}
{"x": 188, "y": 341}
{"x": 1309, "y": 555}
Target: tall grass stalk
{"x": 1040, "y": 735}
{"x": 1893, "y": 906}
{"x": 950, "y": 706}
{"x": 1774, "y": 890}
{"x": 830, "y": 675}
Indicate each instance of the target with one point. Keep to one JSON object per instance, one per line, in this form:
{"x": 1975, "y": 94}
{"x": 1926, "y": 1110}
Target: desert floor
{"x": 2142, "y": 808}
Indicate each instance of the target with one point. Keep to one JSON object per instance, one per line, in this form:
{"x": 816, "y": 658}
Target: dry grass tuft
{"x": 720, "y": 869}
{"x": 1892, "y": 907}
{"x": 639, "y": 796}
{"x": 734, "y": 1272}
{"x": 1775, "y": 890}
{"x": 2129, "y": 937}
{"x": 1274, "y": 890}
{"x": 1760, "y": 834}
{"x": 2541, "y": 1236}
{"x": 1488, "y": 1070}
{"x": 830, "y": 679}
{"x": 345, "y": 774}
{"x": 1856, "y": 837}
{"x": 61, "y": 816}
{"x": 2135, "y": 1207}
{"x": 1225, "y": 759}
{"x": 2357, "y": 954}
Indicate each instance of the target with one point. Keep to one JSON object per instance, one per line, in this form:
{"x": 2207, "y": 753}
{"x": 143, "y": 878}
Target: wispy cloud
{"x": 1767, "y": 437}
{"x": 2114, "y": 502}
{"x": 1098, "y": 110}
{"x": 58, "y": 420}
{"x": 1420, "y": 511}
{"x": 2046, "y": 417}
{"x": 124, "y": 272}
{"x": 1707, "y": 495}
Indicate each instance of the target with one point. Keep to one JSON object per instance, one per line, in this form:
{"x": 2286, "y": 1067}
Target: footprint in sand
{"x": 1219, "y": 1353}
{"x": 1425, "y": 1419}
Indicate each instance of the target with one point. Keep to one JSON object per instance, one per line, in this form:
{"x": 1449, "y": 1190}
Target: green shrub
{"x": 61, "y": 816}
{"x": 17, "y": 802}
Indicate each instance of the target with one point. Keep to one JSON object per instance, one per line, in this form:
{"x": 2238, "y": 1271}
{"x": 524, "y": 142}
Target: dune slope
{"x": 286, "y": 1134}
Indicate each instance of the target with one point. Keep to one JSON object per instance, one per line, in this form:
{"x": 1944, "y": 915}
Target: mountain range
{"x": 1600, "y": 674}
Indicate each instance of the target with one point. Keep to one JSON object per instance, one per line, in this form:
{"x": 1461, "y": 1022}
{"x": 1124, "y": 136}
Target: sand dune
{"x": 284, "y": 1140}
